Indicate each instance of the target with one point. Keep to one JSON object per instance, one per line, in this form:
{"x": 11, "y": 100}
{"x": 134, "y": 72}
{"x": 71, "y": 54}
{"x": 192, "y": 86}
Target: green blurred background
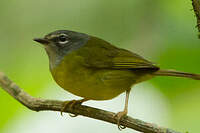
{"x": 161, "y": 31}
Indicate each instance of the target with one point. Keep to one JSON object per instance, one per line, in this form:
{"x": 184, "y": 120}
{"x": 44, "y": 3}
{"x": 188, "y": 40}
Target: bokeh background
{"x": 161, "y": 31}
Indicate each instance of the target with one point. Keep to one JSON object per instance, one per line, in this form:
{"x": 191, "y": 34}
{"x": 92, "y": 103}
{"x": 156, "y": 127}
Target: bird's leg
{"x": 70, "y": 104}
{"x": 122, "y": 114}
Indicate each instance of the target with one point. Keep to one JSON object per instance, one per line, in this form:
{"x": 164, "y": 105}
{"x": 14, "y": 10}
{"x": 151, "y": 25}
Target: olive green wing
{"x": 128, "y": 60}
{"x": 100, "y": 54}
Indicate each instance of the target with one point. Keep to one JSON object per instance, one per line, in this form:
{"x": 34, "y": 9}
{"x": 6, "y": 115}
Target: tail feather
{"x": 177, "y": 74}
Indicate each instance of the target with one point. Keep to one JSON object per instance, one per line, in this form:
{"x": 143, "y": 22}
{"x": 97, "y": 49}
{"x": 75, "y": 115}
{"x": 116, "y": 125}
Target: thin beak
{"x": 41, "y": 40}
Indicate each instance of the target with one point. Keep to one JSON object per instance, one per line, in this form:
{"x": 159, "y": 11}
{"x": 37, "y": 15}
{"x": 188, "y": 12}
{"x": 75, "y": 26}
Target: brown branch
{"x": 196, "y": 8}
{"x": 37, "y": 104}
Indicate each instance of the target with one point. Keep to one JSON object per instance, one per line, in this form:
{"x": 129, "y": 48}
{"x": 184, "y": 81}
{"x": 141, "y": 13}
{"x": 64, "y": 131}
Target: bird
{"x": 94, "y": 69}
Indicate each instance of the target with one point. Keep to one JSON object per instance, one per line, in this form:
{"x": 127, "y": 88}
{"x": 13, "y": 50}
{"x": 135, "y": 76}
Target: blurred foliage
{"x": 161, "y": 31}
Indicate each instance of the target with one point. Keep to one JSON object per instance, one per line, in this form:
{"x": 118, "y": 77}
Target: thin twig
{"x": 37, "y": 104}
{"x": 196, "y": 8}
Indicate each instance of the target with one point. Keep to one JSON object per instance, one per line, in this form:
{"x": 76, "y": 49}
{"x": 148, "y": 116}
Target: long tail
{"x": 177, "y": 74}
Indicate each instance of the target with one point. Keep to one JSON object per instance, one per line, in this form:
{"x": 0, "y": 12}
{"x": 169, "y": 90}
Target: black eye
{"x": 62, "y": 38}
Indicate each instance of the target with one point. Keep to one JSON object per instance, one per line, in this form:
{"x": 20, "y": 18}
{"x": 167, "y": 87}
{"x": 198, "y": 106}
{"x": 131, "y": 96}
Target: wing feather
{"x": 103, "y": 55}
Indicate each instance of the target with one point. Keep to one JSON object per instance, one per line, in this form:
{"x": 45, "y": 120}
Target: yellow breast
{"x": 88, "y": 83}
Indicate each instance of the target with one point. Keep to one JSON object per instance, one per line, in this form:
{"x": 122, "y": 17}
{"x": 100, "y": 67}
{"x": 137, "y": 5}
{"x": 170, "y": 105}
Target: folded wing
{"x": 103, "y": 55}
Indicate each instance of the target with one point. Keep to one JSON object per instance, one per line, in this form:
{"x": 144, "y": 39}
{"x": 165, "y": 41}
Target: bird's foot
{"x": 120, "y": 116}
{"x": 71, "y": 104}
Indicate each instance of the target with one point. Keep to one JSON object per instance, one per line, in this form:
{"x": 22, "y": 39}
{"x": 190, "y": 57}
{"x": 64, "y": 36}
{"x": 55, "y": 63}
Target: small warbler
{"x": 94, "y": 69}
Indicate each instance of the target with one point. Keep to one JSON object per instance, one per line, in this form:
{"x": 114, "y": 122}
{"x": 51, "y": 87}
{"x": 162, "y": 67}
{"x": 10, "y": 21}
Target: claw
{"x": 120, "y": 116}
{"x": 73, "y": 115}
{"x": 65, "y": 104}
{"x": 71, "y": 104}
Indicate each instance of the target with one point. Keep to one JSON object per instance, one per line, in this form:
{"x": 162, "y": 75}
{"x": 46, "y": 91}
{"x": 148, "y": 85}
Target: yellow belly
{"x": 101, "y": 84}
